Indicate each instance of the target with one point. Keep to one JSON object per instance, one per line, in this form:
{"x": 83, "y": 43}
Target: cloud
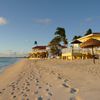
{"x": 3, "y": 21}
{"x": 45, "y": 21}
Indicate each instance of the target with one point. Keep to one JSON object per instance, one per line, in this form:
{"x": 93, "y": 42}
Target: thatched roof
{"x": 97, "y": 34}
{"x": 91, "y": 43}
{"x": 39, "y": 47}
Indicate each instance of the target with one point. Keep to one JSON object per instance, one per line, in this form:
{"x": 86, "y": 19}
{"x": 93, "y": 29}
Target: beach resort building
{"x": 44, "y": 52}
{"x": 38, "y": 52}
{"x": 93, "y": 35}
{"x": 76, "y": 52}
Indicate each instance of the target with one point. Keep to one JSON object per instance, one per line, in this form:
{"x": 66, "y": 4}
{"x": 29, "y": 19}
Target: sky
{"x": 24, "y": 21}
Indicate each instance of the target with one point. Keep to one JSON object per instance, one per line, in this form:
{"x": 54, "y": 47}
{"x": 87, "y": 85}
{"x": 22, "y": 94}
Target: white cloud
{"x": 45, "y": 21}
{"x": 3, "y": 21}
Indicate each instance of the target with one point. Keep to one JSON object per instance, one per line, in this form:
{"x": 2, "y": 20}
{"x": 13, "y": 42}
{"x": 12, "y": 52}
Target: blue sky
{"x": 24, "y": 21}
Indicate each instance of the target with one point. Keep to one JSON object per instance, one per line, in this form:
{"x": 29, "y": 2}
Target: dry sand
{"x": 51, "y": 79}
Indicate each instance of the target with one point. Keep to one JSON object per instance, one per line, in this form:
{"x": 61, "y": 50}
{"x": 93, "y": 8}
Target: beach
{"x": 51, "y": 79}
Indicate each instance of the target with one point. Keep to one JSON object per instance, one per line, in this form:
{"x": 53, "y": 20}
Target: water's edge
{"x": 6, "y": 62}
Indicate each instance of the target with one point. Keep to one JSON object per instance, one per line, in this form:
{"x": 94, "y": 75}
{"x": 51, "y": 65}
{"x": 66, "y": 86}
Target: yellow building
{"x": 75, "y": 52}
{"x": 93, "y": 35}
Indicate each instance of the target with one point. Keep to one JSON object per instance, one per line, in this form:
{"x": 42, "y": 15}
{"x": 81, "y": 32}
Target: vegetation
{"x": 35, "y": 43}
{"x": 76, "y": 37}
{"x": 54, "y": 50}
{"x": 89, "y": 31}
{"x": 60, "y": 32}
{"x": 60, "y": 37}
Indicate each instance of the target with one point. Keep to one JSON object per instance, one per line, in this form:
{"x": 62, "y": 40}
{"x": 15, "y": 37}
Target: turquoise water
{"x": 6, "y": 61}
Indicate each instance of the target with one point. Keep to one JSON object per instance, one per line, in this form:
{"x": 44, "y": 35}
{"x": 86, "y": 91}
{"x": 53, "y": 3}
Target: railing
{"x": 76, "y": 50}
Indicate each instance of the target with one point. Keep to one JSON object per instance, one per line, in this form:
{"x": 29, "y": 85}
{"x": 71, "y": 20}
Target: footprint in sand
{"x": 37, "y": 81}
{"x": 40, "y": 87}
{"x": 47, "y": 83}
{"x": 72, "y": 98}
{"x": 65, "y": 85}
{"x": 27, "y": 99}
{"x": 73, "y": 90}
{"x": 12, "y": 93}
{"x": 50, "y": 94}
{"x": 28, "y": 84}
{"x": 65, "y": 80}
{"x": 28, "y": 90}
{"x": 36, "y": 92}
{"x": 25, "y": 95}
{"x": 14, "y": 96}
{"x": 59, "y": 77}
{"x": 37, "y": 84}
{"x": 22, "y": 92}
{"x": 0, "y": 92}
{"x": 3, "y": 89}
{"x": 47, "y": 89}
{"x": 40, "y": 98}
{"x": 18, "y": 89}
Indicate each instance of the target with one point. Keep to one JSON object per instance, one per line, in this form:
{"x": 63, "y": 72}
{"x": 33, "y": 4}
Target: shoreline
{"x": 8, "y": 71}
{"x": 53, "y": 78}
{"x": 3, "y": 68}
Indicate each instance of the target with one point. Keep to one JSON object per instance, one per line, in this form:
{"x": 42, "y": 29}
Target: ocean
{"x": 6, "y": 61}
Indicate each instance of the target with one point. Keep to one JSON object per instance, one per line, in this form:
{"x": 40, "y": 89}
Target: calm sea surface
{"x": 6, "y": 61}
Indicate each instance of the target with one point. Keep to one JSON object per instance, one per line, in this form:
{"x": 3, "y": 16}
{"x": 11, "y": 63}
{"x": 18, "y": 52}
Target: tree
{"x": 35, "y": 42}
{"x": 56, "y": 40}
{"x": 76, "y": 37}
{"x": 89, "y": 31}
{"x": 54, "y": 50}
{"x": 54, "y": 45}
{"x": 62, "y": 34}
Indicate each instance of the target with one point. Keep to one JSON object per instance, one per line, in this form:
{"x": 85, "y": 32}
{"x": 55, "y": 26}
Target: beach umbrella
{"x": 91, "y": 43}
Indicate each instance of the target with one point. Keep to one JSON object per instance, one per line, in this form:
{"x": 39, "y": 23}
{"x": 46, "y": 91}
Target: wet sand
{"x": 51, "y": 79}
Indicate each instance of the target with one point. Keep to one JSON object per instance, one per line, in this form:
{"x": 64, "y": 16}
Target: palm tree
{"x": 89, "y": 31}
{"x": 56, "y": 40}
{"x": 54, "y": 45}
{"x": 35, "y": 43}
{"x": 76, "y": 37}
{"x": 62, "y": 35}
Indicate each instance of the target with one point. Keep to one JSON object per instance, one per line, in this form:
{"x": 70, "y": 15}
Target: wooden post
{"x": 72, "y": 52}
{"x": 93, "y": 55}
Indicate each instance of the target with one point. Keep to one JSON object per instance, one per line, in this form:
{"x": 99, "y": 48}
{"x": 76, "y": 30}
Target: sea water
{"x": 6, "y": 61}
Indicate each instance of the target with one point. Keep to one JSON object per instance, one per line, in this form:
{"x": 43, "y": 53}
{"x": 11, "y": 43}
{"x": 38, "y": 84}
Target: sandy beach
{"x": 51, "y": 79}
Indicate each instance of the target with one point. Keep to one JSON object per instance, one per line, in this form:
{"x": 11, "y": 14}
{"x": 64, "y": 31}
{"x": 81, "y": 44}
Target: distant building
{"x": 43, "y": 52}
{"x": 93, "y": 35}
{"x": 75, "y": 52}
{"x": 38, "y": 52}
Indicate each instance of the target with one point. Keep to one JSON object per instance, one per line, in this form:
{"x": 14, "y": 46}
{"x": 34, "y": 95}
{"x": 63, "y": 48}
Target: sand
{"x": 51, "y": 79}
